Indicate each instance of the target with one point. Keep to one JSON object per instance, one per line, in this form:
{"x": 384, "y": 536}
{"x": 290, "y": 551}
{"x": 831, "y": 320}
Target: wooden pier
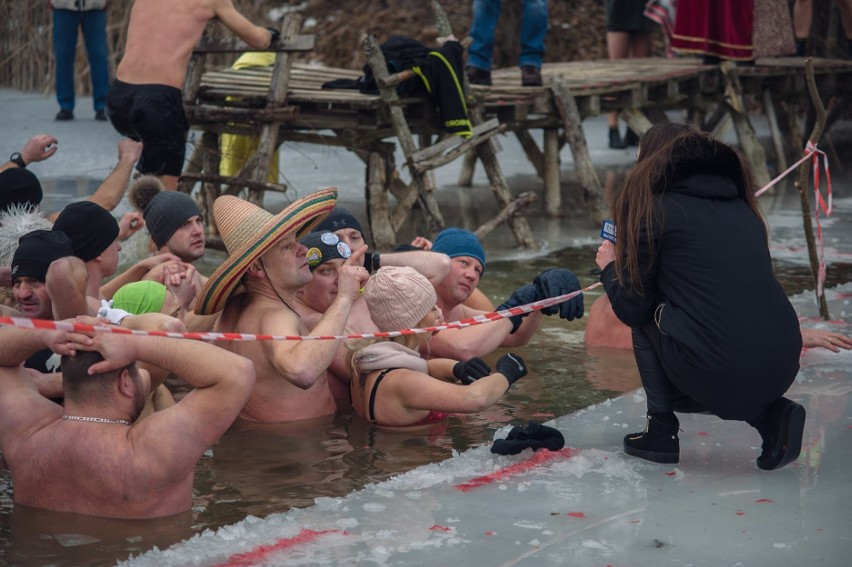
{"x": 240, "y": 101}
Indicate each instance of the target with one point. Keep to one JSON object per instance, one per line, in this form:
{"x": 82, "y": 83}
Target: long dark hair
{"x": 667, "y": 152}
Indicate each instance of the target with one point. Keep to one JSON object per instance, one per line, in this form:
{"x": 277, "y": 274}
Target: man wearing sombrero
{"x": 255, "y": 288}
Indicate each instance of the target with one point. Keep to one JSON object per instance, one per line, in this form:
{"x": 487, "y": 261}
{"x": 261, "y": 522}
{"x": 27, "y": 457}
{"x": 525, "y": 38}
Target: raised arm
{"x": 256, "y": 36}
{"x": 434, "y": 265}
{"x": 301, "y": 362}
{"x": 38, "y": 148}
{"x": 174, "y": 439}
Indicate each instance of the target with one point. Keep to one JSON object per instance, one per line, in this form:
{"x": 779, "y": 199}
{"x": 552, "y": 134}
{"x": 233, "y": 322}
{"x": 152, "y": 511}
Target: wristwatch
{"x": 18, "y": 160}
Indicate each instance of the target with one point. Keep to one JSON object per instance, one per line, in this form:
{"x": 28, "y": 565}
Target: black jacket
{"x": 730, "y": 335}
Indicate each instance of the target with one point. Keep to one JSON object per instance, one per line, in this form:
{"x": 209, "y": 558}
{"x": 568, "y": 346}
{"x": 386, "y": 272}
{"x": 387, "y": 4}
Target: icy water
{"x": 260, "y": 470}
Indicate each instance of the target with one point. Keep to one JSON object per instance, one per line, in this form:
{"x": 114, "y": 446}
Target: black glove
{"x": 469, "y": 371}
{"x": 521, "y": 296}
{"x": 276, "y": 35}
{"x": 556, "y": 282}
{"x": 512, "y": 367}
{"x": 534, "y": 436}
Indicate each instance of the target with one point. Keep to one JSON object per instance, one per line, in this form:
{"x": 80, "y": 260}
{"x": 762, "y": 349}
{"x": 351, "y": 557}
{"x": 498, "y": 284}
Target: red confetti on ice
{"x": 763, "y": 500}
{"x": 703, "y": 433}
{"x": 671, "y": 473}
{"x": 538, "y": 458}
{"x": 576, "y": 514}
{"x": 740, "y": 513}
{"x": 259, "y": 553}
{"x": 437, "y": 528}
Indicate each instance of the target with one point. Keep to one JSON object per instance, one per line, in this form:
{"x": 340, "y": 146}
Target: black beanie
{"x": 36, "y": 250}
{"x": 167, "y": 212}
{"x": 91, "y": 228}
{"x": 339, "y": 218}
{"x": 19, "y": 187}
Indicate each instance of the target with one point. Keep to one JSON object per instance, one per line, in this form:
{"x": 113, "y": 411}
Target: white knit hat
{"x": 398, "y": 297}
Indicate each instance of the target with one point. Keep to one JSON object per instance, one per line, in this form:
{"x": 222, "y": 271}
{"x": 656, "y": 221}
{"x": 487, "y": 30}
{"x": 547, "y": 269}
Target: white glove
{"x": 114, "y": 315}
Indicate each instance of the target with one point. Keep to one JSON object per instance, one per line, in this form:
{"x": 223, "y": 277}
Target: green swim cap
{"x": 140, "y": 297}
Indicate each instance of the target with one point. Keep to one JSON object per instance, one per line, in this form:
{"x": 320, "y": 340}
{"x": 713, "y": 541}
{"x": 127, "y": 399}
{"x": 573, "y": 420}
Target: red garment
{"x": 721, "y": 28}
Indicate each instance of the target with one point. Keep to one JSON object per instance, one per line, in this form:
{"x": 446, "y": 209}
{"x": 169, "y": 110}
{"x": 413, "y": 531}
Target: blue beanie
{"x": 459, "y": 242}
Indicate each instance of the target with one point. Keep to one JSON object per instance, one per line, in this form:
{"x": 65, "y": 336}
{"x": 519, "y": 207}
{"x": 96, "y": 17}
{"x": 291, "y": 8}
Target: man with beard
{"x": 93, "y": 456}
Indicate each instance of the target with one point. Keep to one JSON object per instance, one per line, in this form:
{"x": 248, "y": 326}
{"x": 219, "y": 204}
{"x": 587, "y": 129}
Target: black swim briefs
{"x": 151, "y": 114}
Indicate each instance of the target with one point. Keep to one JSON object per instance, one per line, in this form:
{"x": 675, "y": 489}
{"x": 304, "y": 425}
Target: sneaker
{"x": 100, "y": 115}
{"x": 530, "y": 76}
{"x": 781, "y": 427}
{"x": 477, "y": 76}
{"x": 659, "y": 442}
{"x": 615, "y": 141}
{"x": 63, "y": 115}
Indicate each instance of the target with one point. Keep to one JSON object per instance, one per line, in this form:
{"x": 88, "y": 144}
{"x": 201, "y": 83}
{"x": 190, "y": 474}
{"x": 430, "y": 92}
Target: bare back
{"x": 162, "y": 34}
{"x": 274, "y": 398}
{"x": 160, "y": 39}
{"x": 83, "y": 468}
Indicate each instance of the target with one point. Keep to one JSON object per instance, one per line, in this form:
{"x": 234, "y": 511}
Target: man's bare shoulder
{"x": 251, "y": 313}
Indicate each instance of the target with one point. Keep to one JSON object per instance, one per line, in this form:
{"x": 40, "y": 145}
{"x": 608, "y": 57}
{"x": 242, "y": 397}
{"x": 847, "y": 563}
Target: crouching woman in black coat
{"x": 692, "y": 276}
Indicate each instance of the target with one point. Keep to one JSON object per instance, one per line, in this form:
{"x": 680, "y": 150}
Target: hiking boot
{"x": 659, "y": 442}
{"x": 64, "y": 115}
{"x": 615, "y": 141}
{"x": 781, "y": 427}
{"x": 530, "y": 76}
{"x": 630, "y": 138}
{"x": 100, "y": 115}
{"x": 477, "y": 76}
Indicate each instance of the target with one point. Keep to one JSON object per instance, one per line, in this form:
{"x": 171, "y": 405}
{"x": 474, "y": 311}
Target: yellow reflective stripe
{"x": 455, "y": 78}
{"x": 419, "y": 73}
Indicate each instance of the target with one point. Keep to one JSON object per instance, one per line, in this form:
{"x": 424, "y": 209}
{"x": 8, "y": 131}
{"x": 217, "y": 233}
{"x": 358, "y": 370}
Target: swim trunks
{"x": 151, "y": 114}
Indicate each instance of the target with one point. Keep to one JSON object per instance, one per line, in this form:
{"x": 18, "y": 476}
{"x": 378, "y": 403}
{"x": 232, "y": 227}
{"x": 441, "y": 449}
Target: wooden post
{"x": 384, "y": 236}
{"x": 777, "y": 139}
{"x": 802, "y": 185}
{"x": 636, "y": 120}
{"x": 431, "y": 212}
{"x": 467, "y": 170}
{"x": 210, "y": 191}
{"x": 571, "y": 124}
{"x": 745, "y": 132}
{"x": 257, "y": 167}
{"x": 551, "y": 174}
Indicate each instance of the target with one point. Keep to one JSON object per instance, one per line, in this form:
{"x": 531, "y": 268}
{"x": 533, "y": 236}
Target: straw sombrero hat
{"x": 249, "y": 231}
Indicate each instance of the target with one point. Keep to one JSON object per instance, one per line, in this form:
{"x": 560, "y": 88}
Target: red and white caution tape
{"x": 824, "y": 204}
{"x": 24, "y": 323}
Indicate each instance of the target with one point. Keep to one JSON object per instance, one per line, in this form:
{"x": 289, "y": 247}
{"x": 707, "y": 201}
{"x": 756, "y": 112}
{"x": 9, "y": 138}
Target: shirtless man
{"x": 145, "y": 101}
{"x": 122, "y": 468}
{"x": 94, "y": 237}
{"x": 266, "y": 257}
{"x": 468, "y": 266}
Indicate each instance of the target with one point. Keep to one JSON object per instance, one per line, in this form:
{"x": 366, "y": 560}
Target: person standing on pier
{"x": 692, "y": 276}
{"x": 628, "y": 36}
{"x": 533, "y": 31}
{"x": 145, "y": 102}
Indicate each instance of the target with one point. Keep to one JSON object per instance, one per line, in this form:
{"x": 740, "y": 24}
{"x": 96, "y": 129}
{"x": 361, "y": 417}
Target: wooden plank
{"x": 453, "y": 141}
{"x": 235, "y": 45}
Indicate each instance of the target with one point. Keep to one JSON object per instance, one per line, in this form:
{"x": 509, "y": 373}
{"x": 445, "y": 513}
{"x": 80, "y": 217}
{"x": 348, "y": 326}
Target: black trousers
{"x": 661, "y": 393}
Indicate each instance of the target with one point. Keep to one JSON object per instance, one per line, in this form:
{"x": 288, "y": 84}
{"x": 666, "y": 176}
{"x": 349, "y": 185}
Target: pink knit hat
{"x": 398, "y": 297}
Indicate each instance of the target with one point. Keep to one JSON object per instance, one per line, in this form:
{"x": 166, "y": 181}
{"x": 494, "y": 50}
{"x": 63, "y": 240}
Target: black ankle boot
{"x": 781, "y": 428}
{"x": 630, "y": 138}
{"x": 659, "y": 442}
{"x": 615, "y": 141}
